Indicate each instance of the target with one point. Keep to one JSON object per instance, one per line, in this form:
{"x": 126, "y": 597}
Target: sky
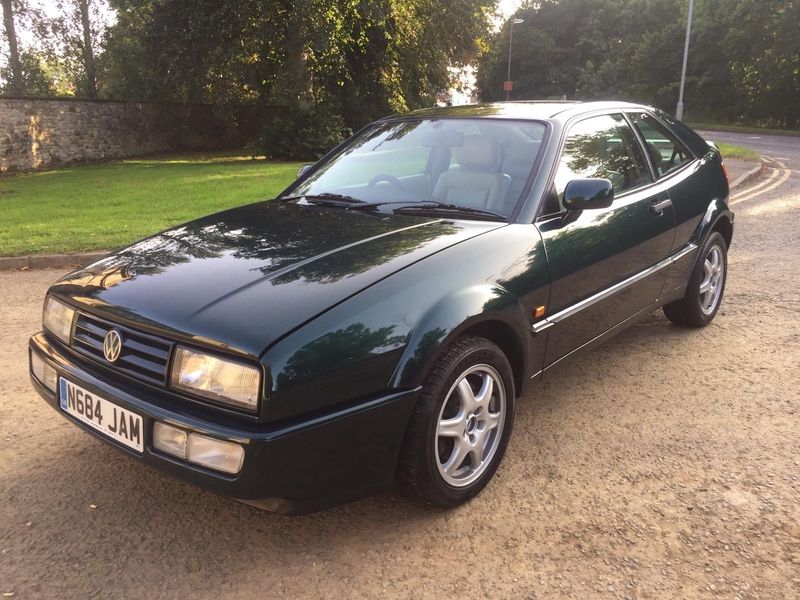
{"x": 52, "y": 9}
{"x": 508, "y": 7}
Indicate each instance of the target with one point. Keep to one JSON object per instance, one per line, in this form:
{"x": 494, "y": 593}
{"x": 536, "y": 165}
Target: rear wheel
{"x": 706, "y": 286}
{"x": 460, "y": 426}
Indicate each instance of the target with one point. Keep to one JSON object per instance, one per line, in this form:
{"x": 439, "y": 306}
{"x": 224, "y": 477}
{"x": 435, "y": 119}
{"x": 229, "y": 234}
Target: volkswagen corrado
{"x": 376, "y": 323}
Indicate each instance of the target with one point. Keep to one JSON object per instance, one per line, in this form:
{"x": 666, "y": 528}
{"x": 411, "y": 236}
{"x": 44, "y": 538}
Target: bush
{"x": 303, "y": 134}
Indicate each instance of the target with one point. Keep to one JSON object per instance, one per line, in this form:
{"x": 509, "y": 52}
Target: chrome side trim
{"x": 548, "y": 322}
{"x": 540, "y": 326}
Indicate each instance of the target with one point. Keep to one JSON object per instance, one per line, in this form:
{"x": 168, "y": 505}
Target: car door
{"x": 601, "y": 260}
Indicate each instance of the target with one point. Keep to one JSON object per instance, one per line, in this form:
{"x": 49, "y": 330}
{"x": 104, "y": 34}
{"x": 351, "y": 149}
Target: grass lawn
{"x": 108, "y": 205}
{"x": 731, "y": 151}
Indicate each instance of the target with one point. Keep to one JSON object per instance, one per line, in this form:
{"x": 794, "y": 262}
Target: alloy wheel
{"x": 470, "y": 425}
{"x": 713, "y": 279}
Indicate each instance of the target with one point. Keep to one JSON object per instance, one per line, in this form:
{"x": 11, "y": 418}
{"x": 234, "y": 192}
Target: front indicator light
{"x": 43, "y": 372}
{"x": 220, "y": 380}
{"x": 215, "y": 454}
{"x": 198, "y": 449}
{"x": 57, "y": 318}
{"x": 170, "y": 440}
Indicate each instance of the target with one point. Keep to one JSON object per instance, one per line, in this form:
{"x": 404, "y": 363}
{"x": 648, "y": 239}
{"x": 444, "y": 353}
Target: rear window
{"x": 667, "y": 153}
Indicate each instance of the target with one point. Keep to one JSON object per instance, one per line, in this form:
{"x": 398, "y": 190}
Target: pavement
{"x": 663, "y": 464}
{"x": 743, "y": 172}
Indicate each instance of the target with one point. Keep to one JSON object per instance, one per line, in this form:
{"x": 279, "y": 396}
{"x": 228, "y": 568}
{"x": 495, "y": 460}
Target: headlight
{"x": 57, "y": 318}
{"x": 220, "y": 380}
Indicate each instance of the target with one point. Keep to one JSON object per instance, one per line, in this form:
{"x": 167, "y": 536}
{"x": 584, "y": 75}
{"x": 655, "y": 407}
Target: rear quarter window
{"x": 666, "y": 151}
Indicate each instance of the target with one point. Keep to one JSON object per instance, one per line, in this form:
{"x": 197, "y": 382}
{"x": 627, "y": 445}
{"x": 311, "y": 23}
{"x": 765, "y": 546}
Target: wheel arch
{"x": 718, "y": 217}
{"x": 486, "y": 311}
{"x": 724, "y": 225}
{"x": 504, "y": 337}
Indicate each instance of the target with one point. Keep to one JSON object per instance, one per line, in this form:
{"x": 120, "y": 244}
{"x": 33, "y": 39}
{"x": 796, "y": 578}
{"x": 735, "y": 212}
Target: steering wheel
{"x": 389, "y": 179}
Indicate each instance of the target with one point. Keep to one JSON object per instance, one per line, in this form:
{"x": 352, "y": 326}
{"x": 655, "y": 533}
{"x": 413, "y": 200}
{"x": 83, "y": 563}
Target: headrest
{"x": 520, "y": 157}
{"x": 655, "y": 154}
{"x": 478, "y": 153}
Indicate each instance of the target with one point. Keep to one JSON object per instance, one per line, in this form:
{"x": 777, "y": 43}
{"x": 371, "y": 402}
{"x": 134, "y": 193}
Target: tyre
{"x": 706, "y": 286}
{"x": 460, "y": 427}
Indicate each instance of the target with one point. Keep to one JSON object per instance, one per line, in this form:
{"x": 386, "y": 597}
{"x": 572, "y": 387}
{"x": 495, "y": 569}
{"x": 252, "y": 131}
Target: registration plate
{"x": 98, "y": 413}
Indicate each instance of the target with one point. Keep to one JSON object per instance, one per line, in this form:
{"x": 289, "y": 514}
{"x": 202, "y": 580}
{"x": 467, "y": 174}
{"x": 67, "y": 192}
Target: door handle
{"x": 659, "y": 207}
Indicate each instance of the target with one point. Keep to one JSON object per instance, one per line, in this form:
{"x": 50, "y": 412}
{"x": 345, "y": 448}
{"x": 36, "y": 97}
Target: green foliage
{"x": 106, "y": 206}
{"x": 303, "y": 134}
{"x": 366, "y": 57}
{"x": 369, "y": 57}
{"x": 744, "y": 60}
{"x": 35, "y": 80}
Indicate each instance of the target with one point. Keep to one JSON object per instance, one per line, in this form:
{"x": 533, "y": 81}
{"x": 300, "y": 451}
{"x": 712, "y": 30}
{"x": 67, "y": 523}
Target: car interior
{"x": 482, "y": 165}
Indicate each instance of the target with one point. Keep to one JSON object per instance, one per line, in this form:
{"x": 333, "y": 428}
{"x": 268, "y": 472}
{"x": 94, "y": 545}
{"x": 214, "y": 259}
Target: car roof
{"x": 528, "y": 109}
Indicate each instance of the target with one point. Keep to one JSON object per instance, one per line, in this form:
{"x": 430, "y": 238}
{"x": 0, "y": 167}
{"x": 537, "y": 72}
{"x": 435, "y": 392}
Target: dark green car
{"x": 376, "y": 323}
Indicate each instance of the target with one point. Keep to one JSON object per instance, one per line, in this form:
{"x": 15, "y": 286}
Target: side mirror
{"x": 583, "y": 194}
{"x": 304, "y": 169}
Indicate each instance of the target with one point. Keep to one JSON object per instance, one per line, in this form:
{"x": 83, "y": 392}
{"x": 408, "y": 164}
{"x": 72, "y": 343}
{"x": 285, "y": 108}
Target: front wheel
{"x": 460, "y": 426}
{"x": 706, "y": 286}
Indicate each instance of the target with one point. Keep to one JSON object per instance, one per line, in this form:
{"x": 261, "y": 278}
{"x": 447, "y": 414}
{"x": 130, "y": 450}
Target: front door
{"x": 601, "y": 260}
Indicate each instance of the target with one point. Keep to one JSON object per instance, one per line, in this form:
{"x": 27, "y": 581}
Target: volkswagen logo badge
{"x": 112, "y": 345}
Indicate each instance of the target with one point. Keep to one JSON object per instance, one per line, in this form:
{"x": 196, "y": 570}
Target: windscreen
{"x": 471, "y": 163}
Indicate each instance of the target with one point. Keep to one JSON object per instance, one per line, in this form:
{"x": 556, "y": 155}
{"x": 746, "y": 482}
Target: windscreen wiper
{"x": 434, "y": 205}
{"x": 327, "y": 198}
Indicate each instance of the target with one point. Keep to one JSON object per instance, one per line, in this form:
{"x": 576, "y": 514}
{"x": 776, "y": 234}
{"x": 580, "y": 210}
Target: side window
{"x": 666, "y": 152}
{"x": 606, "y": 147}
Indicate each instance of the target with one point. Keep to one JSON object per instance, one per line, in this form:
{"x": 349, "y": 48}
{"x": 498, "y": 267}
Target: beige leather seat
{"x": 474, "y": 181}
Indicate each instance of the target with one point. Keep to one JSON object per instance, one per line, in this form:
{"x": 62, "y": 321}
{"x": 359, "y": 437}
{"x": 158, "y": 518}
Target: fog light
{"x": 43, "y": 372}
{"x": 215, "y": 454}
{"x": 169, "y": 439}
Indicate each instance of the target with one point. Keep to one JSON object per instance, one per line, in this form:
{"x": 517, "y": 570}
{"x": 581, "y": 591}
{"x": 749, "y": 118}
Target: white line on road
{"x": 784, "y": 175}
{"x": 764, "y": 183}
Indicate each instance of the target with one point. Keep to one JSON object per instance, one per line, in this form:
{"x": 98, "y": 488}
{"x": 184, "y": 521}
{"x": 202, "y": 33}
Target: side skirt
{"x": 675, "y": 294}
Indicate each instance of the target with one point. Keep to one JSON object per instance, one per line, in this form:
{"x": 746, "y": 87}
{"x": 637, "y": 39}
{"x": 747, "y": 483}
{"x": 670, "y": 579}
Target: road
{"x": 664, "y": 464}
{"x": 783, "y": 148}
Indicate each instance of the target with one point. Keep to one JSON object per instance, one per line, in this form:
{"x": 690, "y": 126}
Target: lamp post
{"x": 508, "y": 83}
{"x": 679, "y": 108}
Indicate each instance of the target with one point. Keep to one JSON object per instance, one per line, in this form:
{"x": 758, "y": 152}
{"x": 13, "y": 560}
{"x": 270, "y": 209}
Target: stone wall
{"x": 41, "y": 133}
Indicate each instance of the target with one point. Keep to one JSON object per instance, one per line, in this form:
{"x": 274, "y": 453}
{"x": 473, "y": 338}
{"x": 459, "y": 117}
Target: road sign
{"x": 508, "y": 86}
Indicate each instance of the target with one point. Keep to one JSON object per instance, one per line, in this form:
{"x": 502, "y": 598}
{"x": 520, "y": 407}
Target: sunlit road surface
{"x": 664, "y": 464}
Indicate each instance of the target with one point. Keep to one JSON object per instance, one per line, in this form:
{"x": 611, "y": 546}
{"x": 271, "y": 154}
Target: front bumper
{"x": 291, "y": 468}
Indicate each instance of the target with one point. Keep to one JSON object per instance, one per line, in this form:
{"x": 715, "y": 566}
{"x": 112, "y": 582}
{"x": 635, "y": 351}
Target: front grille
{"x": 143, "y": 356}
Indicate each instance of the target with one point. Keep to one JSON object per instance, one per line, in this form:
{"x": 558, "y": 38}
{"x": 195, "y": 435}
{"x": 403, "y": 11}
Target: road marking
{"x": 764, "y": 183}
{"x": 784, "y": 175}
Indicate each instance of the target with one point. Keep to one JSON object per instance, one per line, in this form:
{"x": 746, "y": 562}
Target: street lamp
{"x": 507, "y": 85}
{"x": 679, "y": 108}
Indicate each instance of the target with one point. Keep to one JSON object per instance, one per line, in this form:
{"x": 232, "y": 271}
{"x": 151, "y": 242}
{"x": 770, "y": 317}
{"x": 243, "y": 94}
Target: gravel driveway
{"x": 663, "y": 464}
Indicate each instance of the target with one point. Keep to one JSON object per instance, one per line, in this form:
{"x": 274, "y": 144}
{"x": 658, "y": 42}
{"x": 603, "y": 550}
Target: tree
{"x": 15, "y": 86}
{"x": 368, "y": 57}
{"x": 744, "y": 61}
{"x": 90, "y": 77}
